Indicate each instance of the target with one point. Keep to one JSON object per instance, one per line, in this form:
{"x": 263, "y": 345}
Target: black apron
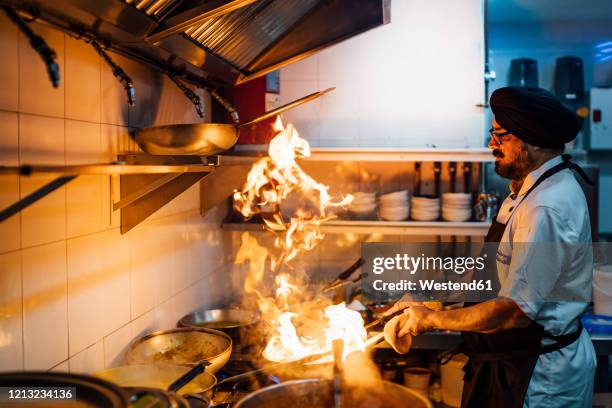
{"x": 501, "y": 364}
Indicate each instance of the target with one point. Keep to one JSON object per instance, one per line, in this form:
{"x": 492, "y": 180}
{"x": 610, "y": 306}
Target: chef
{"x": 527, "y": 347}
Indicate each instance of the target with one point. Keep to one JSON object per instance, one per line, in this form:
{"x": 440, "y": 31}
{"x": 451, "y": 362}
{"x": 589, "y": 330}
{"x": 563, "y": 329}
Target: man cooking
{"x": 526, "y": 349}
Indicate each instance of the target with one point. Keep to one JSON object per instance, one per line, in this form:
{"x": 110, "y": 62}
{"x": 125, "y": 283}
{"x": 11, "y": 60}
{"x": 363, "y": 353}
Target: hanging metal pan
{"x": 202, "y": 139}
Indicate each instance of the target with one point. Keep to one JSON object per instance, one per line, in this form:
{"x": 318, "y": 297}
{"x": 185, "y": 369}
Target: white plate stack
{"x": 456, "y": 206}
{"x": 363, "y": 205}
{"x": 394, "y": 206}
{"x": 425, "y": 208}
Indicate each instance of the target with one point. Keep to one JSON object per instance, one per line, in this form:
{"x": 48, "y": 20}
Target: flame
{"x": 342, "y": 323}
{"x": 272, "y": 179}
{"x": 300, "y": 327}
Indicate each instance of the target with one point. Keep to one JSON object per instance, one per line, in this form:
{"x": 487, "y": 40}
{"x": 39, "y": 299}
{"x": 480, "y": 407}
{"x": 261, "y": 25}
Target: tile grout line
{"x": 164, "y": 218}
{"x": 66, "y": 225}
{"x": 19, "y": 193}
{"x": 63, "y": 117}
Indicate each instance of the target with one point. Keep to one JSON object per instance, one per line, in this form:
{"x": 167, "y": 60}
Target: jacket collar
{"x": 532, "y": 177}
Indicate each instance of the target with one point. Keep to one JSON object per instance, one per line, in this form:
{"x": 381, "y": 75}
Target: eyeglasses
{"x": 497, "y": 136}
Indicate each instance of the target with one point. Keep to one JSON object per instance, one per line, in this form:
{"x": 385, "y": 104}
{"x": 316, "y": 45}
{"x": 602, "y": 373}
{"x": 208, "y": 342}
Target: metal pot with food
{"x": 182, "y": 346}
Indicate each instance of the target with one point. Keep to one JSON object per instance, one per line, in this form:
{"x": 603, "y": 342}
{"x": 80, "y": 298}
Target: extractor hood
{"x": 223, "y": 41}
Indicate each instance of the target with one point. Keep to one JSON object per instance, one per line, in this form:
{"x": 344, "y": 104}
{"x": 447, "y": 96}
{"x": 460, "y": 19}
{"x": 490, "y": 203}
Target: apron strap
{"x": 567, "y": 160}
{"x": 566, "y": 164}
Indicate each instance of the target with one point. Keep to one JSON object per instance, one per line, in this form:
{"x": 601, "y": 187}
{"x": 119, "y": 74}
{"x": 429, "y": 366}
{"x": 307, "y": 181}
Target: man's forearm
{"x": 487, "y": 317}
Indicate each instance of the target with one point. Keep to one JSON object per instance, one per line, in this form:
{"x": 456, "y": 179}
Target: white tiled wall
{"x": 73, "y": 290}
{"x": 412, "y": 83}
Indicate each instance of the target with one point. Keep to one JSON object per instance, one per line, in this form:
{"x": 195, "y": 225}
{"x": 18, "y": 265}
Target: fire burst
{"x": 300, "y": 328}
{"x": 272, "y": 179}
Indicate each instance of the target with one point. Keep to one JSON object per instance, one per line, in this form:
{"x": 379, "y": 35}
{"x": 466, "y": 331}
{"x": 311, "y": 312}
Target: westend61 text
{"x": 432, "y": 285}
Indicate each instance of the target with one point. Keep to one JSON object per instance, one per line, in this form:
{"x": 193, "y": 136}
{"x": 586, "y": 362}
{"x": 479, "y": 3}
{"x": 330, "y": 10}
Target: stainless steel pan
{"x": 233, "y": 322}
{"x": 205, "y": 138}
{"x": 183, "y": 346}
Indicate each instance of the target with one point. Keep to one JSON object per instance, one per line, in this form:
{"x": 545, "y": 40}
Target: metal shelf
{"x": 469, "y": 228}
{"x": 147, "y": 182}
{"x": 369, "y": 154}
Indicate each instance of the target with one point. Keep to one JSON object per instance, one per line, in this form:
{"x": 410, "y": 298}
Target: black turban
{"x": 535, "y": 116}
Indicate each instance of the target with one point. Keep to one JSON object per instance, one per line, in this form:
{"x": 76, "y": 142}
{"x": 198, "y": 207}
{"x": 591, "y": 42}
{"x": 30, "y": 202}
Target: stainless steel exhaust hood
{"x": 226, "y": 41}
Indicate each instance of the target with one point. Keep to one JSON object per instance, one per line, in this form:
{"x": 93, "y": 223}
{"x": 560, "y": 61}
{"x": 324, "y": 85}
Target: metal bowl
{"x": 233, "y": 322}
{"x": 183, "y": 346}
{"x": 314, "y": 393}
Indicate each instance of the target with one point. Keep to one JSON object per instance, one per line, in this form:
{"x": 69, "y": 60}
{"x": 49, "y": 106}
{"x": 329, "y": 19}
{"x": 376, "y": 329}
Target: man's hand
{"x": 415, "y": 321}
{"x": 403, "y": 304}
{"x": 399, "y": 305}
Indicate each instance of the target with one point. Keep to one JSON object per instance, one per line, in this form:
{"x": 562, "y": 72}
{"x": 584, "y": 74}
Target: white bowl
{"x": 420, "y": 217}
{"x": 426, "y": 207}
{"x": 394, "y": 217}
{"x": 363, "y": 202}
{"x": 362, "y": 208}
{"x": 424, "y": 215}
{"x": 455, "y": 206}
{"x": 456, "y": 215}
{"x": 397, "y": 195}
{"x": 393, "y": 201}
{"x": 395, "y": 207}
{"x": 428, "y": 211}
{"x": 426, "y": 199}
{"x": 456, "y": 218}
{"x": 359, "y": 195}
{"x": 457, "y": 196}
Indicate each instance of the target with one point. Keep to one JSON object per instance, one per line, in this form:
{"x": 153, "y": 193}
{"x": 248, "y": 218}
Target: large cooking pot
{"x": 183, "y": 346}
{"x": 315, "y": 393}
{"x": 90, "y": 391}
{"x": 234, "y": 322}
{"x": 204, "y": 138}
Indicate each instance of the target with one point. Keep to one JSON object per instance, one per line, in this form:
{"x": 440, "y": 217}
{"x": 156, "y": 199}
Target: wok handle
{"x": 286, "y": 107}
{"x": 188, "y": 376}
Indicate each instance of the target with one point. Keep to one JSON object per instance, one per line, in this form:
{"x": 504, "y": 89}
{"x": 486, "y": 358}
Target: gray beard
{"x": 518, "y": 169}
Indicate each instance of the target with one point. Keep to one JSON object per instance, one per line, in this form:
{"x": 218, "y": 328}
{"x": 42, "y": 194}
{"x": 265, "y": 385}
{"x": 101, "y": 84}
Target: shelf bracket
{"x": 143, "y": 203}
{"x": 143, "y": 194}
{"x": 149, "y": 188}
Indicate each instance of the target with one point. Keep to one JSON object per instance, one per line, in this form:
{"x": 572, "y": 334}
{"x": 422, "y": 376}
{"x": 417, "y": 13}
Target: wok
{"x": 205, "y": 138}
{"x": 234, "y": 322}
{"x": 182, "y": 346}
{"x": 315, "y": 393}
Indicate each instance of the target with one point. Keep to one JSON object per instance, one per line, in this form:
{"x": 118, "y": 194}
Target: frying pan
{"x": 183, "y": 346}
{"x": 205, "y": 138}
{"x": 234, "y": 322}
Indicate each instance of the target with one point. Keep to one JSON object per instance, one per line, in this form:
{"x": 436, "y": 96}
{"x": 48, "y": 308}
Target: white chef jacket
{"x": 556, "y": 211}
